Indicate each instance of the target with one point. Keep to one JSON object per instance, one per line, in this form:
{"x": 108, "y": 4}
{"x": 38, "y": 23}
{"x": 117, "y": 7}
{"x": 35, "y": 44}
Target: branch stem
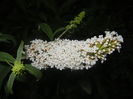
{"x": 62, "y": 33}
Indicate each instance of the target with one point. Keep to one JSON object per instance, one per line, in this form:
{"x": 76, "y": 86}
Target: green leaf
{"x": 4, "y": 70}
{"x": 34, "y": 71}
{"x": 10, "y": 82}
{"x": 4, "y": 40}
{"x": 20, "y": 51}
{"x": 7, "y": 38}
{"x": 5, "y": 57}
{"x": 59, "y": 30}
{"x": 47, "y": 29}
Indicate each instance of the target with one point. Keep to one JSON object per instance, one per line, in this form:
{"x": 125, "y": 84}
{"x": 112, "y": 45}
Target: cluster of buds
{"x": 105, "y": 45}
{"x": 72, "y": 54}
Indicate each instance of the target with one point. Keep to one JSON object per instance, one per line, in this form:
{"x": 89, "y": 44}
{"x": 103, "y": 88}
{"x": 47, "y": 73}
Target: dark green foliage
{"x": 47, "y": 29}
{"x": 49, "y": 32}
{"x": 32, "y": 70}
{"x": 10, "y": 83}
{"x": 5, "y": 57}
{"x": 7, "y": 38}
{"x": 4, "y": 70}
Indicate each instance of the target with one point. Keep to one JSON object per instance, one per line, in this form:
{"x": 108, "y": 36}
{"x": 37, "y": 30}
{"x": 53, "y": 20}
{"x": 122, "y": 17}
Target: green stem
{"x": 62, "y": 33}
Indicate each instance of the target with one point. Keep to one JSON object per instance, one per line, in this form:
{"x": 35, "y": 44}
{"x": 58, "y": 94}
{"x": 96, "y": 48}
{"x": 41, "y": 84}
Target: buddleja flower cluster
{"x": 72, "y": 54}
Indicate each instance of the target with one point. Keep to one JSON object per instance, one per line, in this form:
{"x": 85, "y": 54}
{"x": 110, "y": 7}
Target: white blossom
{"x": 72, "y": 54}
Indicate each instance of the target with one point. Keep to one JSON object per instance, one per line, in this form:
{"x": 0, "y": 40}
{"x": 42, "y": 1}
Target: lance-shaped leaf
{"x": 20, "y": 51}
{"x": 4, "y": 70}
{"x": 47, "y": 30}
{"x": 5, "y": 57}
{"x": 10, "y": 82}
{"x": 34, "y": 71}
{"x": 7, "y": 38}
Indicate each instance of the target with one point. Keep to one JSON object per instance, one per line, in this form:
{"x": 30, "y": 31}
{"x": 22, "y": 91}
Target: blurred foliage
{"x": 7, "y": 38}
{"x": 111, "y": 80}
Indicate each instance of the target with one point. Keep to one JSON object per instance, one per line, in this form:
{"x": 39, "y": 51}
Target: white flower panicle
{"x": 72, "y": 54}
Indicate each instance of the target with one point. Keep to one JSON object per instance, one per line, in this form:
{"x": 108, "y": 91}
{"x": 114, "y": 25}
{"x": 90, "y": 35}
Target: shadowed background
{"x": 111, "y": 80}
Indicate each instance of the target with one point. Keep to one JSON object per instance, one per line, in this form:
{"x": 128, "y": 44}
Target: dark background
{"x": 111, "y": 80}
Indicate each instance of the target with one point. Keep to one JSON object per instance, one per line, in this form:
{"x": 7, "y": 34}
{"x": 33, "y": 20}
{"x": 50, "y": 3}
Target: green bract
{"x": 18, "y": 68}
